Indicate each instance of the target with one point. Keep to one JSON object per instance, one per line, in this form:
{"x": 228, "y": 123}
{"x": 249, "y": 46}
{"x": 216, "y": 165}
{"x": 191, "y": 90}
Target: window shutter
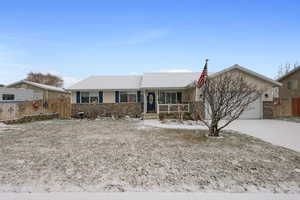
{"x": 117, "y": 96}
{"x": 179, "y": 97}
{"x": 100, "y": 97}
{"x": 138, "y": 96}
{"x": 77, "y": 97}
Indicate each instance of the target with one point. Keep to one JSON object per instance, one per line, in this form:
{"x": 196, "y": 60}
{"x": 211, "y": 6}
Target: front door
{"x": 151, "y": 102}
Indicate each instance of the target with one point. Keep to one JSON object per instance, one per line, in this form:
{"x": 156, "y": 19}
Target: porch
{"x": 167, "y": 100}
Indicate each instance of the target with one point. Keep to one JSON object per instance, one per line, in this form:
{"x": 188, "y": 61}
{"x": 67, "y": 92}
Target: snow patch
{"x": 147, "y": 195}
{"x": 172, "y": 124}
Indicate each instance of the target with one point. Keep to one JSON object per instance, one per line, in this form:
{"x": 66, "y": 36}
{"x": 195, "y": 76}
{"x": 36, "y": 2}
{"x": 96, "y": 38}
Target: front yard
{"x": 125, "y": 155}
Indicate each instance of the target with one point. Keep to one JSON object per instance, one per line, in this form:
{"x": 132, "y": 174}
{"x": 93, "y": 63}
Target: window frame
{"x": 91, "y": 95}
{"x": 13, "y": 95}
{"x": 292, "y": 84}
{"x": 127, "y": 96}
{"x": 165, "y": 97}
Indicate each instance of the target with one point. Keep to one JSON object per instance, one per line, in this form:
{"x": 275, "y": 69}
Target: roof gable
{"x": 247, "y": 71}
{"x": 39, "y": 85}
{"x": 289, "y": 73}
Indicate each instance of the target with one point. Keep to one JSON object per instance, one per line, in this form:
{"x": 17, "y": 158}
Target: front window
{"x": 128, "y": 97}
{"x": 85, "y": 97}
{"x": 292, "y": 84}
{"x": 169, "y": 98}
{"x": 94, "y": 97}
{"x": 90, "y": 97}
{"x": 8, "y": 97}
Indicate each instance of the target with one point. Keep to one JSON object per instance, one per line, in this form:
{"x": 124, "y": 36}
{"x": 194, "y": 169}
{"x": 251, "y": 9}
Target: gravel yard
{"x": 125, "y": 155}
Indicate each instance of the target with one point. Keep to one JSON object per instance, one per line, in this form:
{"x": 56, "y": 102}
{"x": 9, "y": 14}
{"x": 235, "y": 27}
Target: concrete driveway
{"x": 278, "y": 132}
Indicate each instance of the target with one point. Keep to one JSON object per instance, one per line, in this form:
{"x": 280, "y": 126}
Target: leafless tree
{"x": 286, "y": 68}
{"x": 225, "y": 98}
{"x": 47, "y": 79}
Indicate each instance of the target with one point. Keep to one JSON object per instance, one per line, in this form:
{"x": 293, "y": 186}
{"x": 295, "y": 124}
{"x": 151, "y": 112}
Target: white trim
{"x": 39, "y": 85}
{"x": 145, "y": 101}
{"x": 236, "y": 66}
{"x": 80, "y": 101}
{"x": 168, "y": 91}
{"x": 169, "y": 106}
{"x": 128, "y": 92}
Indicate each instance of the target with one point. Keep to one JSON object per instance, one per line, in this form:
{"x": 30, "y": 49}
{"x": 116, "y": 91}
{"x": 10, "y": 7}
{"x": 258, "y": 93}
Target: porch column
{"x": 156, "y": 100}
{"x": 145, "y": 102}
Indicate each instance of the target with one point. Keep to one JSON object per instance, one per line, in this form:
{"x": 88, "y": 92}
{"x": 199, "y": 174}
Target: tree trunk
{"x": 213, "y": 130}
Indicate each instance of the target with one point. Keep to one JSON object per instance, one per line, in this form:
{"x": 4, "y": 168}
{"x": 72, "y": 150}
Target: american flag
{"x": 203, "y": 76}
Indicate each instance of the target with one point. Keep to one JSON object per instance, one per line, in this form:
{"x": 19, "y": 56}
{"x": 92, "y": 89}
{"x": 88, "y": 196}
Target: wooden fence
{"x": 282, "y": 108}
{"x": 296, "y": 107}
{"x": 14, "y": 110}
{"x": 287, "y": 107}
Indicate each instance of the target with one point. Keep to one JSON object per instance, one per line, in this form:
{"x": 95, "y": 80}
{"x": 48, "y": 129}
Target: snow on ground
{"x": 278, "y": 132}
{"x": 118, "y": 156}
{"x": 4, "y": 127}
{"x": 148, "y": 196}
{"x": 174, "y": 124}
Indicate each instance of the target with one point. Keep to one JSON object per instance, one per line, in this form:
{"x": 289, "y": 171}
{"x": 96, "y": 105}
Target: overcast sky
{"x": 76, "y": 39}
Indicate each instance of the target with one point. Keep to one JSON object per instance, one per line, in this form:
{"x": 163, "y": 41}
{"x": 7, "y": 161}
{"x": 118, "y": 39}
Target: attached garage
{"x": 254, "y": 111}
{"x": 263, "y": 106}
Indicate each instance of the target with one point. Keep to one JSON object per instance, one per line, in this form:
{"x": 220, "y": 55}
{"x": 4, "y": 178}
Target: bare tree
{"x": 47, "y": 79}
{"x": 226, "y": 97}
{"x": 283, "y": 69}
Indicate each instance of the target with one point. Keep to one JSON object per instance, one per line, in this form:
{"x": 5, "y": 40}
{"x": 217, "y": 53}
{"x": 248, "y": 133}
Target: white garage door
{"x": 253, "y": 111}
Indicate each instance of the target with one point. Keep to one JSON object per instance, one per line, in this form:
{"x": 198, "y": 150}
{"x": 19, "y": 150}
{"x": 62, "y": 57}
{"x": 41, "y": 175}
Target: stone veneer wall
{"x": 108, "y": 109}
{"x": 268, "y": 109}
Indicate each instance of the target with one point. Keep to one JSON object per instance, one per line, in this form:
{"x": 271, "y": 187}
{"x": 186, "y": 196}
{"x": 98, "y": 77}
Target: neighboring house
{"x": 153, "y": 93}
{"x": 9, "y": 95}
{"x": 47, "y": 90}
{"x": 289, "y": 93}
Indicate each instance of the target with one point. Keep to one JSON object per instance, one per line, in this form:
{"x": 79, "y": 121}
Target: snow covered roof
{"x": 169, "y": 79}
{"x": 108, "y": 83}
{"x": 153, "y": 80}
{"x": 39, "y": 85}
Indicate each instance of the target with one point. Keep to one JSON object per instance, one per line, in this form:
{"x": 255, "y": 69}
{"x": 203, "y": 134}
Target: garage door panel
{"x": 253, "y": 111}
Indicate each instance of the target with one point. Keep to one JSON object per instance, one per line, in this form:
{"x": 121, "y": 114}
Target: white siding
{"x": 109, "y": 97}
{"x": 21, "y": 94}
{"x": 268, "y": 95}
{"x": 73, "y": 97}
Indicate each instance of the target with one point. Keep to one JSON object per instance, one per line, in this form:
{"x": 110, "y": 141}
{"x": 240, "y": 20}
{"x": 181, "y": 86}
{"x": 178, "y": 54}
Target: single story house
{"x": 48, "y": 91}
{"x": 9, "y": 95}
{"x": 289, "y": 93}
{"x": 154, "y": 93}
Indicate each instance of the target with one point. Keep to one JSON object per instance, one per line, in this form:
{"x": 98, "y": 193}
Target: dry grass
{"x": 105, "y": 155}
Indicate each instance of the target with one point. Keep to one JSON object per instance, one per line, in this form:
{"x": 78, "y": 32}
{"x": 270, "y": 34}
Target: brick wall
{"x": 109, "y": 109}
